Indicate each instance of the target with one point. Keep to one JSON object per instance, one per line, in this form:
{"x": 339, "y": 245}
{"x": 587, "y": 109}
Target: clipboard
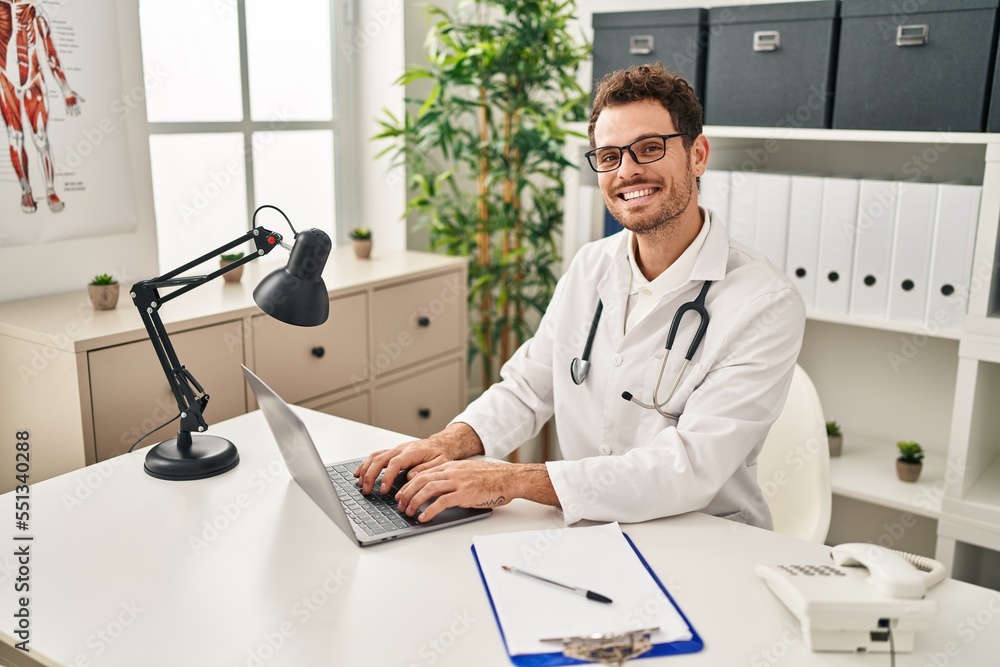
{"x": 692, "y": 645}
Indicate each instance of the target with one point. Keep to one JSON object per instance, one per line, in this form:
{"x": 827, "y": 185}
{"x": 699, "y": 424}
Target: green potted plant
{"x": 103, "y": 292}
{"x": 361, "y": 239}
{"x": 484, "y": 155}
{"x": 834, "y": 437}
{"x": 910, "y": 461}
{"x": 227, "y": 259}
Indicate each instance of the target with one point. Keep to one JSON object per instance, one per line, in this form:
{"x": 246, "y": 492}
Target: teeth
{"x": 637, "y": 193}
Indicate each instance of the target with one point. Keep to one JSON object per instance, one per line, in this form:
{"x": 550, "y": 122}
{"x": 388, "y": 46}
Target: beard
{"x": 657, "y": 218}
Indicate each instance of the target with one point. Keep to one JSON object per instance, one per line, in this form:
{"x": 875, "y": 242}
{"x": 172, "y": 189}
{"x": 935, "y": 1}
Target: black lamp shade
{"x": 296, "y": 294}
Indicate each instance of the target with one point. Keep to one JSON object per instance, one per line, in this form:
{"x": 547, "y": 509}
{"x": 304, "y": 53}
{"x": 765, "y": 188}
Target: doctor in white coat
{"x": 688, "y": 440}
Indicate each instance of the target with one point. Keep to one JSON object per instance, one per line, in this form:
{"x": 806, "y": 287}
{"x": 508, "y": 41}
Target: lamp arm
{"x": 264, "y": 241}
{"x": 190, "y": 396}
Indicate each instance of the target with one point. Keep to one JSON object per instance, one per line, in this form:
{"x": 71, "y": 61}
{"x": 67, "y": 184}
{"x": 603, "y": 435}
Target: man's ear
{"x": 699, "y": 155}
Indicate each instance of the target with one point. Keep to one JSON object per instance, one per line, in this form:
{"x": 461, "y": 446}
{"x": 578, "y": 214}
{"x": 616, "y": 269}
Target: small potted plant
{"x": 103, "y": 292}
{"x": 237, "y": 273}
{"x": 834, "y": 437}
{"x": 909, "y": 463}
{"x": 361, "y": 239}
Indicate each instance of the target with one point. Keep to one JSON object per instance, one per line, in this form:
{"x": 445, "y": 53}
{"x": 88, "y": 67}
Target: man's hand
{"x": 474, "y": 484}
{"x": 457, "y": 441}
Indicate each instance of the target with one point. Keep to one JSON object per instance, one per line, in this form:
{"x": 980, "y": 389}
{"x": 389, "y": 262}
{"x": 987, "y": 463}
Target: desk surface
{"x": 243, "y": 570}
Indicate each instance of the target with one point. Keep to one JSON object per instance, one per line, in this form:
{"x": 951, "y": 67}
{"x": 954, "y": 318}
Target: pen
{"x": 590, "y": 595}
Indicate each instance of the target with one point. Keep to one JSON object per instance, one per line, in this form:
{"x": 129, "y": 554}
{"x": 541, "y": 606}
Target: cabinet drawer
{"x": 302, "y": 362}
{"x": 417, "y": 320}
{"x": 421, "y": 404}
{"x": 130, "y": 392}
{"x": 354, "y": 408}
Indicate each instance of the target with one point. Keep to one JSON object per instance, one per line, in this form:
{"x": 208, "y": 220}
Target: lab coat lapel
{"x": 613, "y": 288}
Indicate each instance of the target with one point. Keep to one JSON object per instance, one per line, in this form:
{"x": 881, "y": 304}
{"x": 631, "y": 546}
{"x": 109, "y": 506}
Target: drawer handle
{"x": 318, "y": 351}
{"x": 641, "y": 45}
{"x": 912, "y": 35}
{"x": 766, "y": 40}
{"x": 423, "y": 321}
{"x": 425, "y": 413}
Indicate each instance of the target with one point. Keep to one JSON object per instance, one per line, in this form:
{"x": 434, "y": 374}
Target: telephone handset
{"x": 871, "y": 599}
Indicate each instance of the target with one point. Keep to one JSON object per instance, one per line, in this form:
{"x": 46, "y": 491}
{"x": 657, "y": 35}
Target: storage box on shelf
{"x": 771, "y": 64}
{"x": 675, "y": 37}
{"x": 924, "y": 67}
{"x": 86, "y": 384}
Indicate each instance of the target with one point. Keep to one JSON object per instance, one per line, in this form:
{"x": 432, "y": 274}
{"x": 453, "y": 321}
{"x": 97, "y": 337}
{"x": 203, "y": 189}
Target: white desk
{"x": 119, "y": 577}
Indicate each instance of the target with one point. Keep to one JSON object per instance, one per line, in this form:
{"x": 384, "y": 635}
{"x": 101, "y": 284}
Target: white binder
{"x": 805, "y": 211}
{"x": 714, "y": 193}
{"x": 743, "y": 192}
{"x": 773, "y": 192}
{"x": 873, "y": 248}
{"x": 836, "y": 245}
{"x": 911, "y": 252}
{"x": 951, "y": 261}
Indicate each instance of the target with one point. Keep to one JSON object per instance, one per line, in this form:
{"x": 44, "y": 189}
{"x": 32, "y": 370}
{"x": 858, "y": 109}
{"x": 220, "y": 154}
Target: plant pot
{"x": 362, "y": 248}
{"x": 836, "y": 444}
{"x": 234, "y": 275}
{"x": 908, "y": 472}
{"x": 103, "y": 297}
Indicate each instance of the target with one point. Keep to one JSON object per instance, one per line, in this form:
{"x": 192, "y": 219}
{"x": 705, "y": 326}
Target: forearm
{"x": 532, "y": 483}
{"x": 459, "y": 440}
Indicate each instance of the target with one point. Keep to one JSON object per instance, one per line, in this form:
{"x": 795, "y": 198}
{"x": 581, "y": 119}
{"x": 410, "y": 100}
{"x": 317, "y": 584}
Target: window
{"x": 245, "y": 112}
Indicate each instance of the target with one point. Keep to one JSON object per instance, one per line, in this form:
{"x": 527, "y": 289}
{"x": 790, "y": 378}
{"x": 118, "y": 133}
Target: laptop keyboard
{"x": 375, "y": 514}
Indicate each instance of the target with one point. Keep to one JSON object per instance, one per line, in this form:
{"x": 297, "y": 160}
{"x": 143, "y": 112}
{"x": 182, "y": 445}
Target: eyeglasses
{"x": 643, "y": 151}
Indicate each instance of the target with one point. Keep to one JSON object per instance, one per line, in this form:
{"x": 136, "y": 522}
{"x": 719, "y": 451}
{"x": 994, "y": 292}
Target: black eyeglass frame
{"x": 591, "y": 154}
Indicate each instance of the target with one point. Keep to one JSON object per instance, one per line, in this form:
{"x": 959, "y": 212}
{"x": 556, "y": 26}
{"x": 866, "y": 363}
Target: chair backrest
{"x": 793, "y": 467}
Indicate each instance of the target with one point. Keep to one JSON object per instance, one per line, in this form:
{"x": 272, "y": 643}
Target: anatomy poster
{"x": 65, "y": 173}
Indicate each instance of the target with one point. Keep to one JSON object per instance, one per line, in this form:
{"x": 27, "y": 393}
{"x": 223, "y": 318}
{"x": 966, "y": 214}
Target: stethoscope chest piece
{"x": 578, "y": 369}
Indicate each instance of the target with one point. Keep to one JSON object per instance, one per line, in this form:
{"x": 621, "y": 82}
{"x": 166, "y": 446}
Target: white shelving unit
{"x": 946, "y": 394}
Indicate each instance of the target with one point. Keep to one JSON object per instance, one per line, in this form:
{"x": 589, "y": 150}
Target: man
{"x": 689, "y": 438}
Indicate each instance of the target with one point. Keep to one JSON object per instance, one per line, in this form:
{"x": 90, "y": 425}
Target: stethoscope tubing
{"x": 579, "y": 367}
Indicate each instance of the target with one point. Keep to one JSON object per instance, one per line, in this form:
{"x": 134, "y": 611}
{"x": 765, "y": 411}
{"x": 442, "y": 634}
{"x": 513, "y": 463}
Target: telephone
{"x": 871, "y": 599}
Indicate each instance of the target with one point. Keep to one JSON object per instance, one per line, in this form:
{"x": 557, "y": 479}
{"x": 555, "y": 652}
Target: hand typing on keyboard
{"x": 438, "y": 480}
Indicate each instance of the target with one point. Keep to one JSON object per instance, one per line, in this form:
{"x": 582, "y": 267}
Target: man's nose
{"x": 629, "y": 165}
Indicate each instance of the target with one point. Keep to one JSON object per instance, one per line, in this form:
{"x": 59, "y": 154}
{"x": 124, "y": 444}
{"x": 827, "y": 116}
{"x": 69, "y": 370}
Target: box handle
{"x": 641, "y": 45}
{"x": 766, "y": 40}
{"x": 912, "y": 35}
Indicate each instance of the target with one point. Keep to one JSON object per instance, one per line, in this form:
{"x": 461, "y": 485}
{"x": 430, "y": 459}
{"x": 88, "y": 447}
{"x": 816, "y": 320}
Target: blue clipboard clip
{"x": 607, "y": 649}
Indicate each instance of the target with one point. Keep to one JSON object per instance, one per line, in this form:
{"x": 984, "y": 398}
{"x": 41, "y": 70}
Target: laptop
{"x": 364, "y": 519}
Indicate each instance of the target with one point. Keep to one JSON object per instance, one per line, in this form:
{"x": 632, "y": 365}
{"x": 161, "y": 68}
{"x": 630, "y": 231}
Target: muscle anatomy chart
{"x": 25, "y": 35}
{"x": 66, "y": 172}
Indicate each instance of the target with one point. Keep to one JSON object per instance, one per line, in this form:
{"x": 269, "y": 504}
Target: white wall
{"x": 378, "y": 34}
{"x": 373, "y": 200}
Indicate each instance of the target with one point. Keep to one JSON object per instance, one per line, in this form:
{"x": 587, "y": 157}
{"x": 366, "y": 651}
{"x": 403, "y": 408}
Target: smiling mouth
{"x": 635, "y": 194}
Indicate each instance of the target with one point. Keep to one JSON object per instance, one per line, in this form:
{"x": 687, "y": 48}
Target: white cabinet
{"x": 885, "y": 380}
{"x": 87, "y": 384}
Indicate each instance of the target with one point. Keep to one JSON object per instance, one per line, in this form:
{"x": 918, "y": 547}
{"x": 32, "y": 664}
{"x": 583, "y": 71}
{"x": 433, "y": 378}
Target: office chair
{"x": 793, "y": 467}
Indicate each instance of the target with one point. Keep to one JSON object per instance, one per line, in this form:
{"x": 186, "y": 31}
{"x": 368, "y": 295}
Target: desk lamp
{"x": 294, "y": 294}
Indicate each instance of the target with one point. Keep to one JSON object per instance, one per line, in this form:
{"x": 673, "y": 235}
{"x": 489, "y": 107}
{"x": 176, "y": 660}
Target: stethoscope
{"x": 579, "y": 367}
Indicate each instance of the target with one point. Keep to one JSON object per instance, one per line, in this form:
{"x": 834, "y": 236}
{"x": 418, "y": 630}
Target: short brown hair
{"x": 650, "y": 82}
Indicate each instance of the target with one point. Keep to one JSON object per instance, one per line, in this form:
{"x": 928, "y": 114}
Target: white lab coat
{"x": 626, "y": 463}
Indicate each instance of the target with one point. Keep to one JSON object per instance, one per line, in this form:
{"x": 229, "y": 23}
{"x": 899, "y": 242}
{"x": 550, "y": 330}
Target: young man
{"x": 685, "y": 436}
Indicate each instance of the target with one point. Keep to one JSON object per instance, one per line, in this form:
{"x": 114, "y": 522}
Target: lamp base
{"x": 205, "y": 456}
